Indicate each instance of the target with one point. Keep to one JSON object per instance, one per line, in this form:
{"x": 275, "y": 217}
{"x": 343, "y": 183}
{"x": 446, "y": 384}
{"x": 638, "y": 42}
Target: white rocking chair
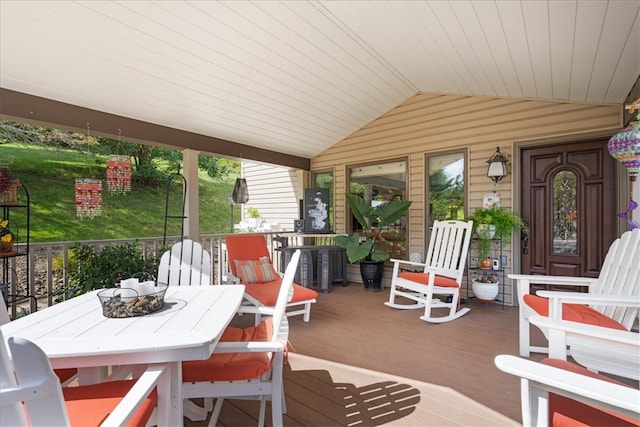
{"x": 442, "y": 273}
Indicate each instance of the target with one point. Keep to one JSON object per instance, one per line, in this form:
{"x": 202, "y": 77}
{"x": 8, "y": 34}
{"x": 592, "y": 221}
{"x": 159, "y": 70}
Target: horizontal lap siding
{"x": 431, "y": 123}
{"x": 274, "y": 191}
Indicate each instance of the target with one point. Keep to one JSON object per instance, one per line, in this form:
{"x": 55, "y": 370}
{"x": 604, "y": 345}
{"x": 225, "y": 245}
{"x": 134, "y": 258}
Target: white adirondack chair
{"x": 599, "y": 349}
{"x": 186, "y": 264}
{"x": 612, "y": 300}
{"x": 601, "y": 399}
{"x": 442, "y": 273}
{"x": 247, "y": 363}
{"x": 29, "y": 390}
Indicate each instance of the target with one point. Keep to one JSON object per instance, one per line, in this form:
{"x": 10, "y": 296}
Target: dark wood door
{"x": 568, "y": 201}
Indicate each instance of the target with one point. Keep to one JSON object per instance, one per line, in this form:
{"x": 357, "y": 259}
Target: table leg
{"x": 170, "y": 405}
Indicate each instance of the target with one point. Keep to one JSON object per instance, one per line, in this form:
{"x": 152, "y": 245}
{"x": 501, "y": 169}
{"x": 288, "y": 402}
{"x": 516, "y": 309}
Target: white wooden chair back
{"x": 11, "y": 412}
{"x": 448, "y": 247}
{"x": 185, "y": 264}
{"x": 284, "y": 295}
{"x": 620, "y": 275}
{"x": 38, "y": 387}
{"x": 4, "y": 313}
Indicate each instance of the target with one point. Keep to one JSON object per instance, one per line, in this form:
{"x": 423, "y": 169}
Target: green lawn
{"x": 49, "y": 175}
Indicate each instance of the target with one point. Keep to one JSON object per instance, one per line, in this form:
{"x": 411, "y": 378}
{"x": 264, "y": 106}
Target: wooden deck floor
{"x": 360, "y": 363}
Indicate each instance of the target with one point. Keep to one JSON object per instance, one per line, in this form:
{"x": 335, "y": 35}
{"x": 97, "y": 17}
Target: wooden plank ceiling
{"x": 295, "y": 77}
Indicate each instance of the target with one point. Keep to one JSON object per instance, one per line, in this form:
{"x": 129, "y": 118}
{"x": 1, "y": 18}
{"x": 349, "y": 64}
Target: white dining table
{"x": 75, "y": 334}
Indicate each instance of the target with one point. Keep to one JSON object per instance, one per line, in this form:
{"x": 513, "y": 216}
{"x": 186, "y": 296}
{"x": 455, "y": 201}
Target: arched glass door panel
{"x": 565, "y": 202}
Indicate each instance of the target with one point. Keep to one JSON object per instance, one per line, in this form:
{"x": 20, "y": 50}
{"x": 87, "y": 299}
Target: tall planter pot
{"x": 371, "y": 273}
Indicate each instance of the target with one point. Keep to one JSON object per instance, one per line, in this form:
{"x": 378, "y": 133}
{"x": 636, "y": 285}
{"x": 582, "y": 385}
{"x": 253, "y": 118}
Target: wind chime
{"x": 625, "y": 147}
{"x": 118, "y": 172}
{"x": 88, "y": 194}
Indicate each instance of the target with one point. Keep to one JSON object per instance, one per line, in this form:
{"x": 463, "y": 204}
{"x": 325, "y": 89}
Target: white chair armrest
{"x": 587, "y": 298}
{"x": 587, "y": 330}
{"x": 248, "y": 347}
{"x": 404, "y": 261}
{"x": 151, "y": 377}
{"x": 591, "y": 391}
{"x": 556, "y": 299}
{"x": 524, "y": 281}
{"x": 232, "y": 280}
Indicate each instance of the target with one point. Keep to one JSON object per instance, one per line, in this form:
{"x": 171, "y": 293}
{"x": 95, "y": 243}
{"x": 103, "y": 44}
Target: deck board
{"x": 361, "y": 363}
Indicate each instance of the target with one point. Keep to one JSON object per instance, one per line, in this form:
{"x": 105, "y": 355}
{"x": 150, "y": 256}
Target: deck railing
{"x": 48, "y": 264}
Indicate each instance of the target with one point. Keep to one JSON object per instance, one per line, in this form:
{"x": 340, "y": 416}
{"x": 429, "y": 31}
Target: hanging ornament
{"x": 119, "y": 171}
{"x": 88, "y": 198}
{"x": 88, "y": 194}
{"x": 625, "y": 147}
{"x": 119, "y": 174}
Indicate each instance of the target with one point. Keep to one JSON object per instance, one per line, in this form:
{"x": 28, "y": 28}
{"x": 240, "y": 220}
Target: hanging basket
{"x": 119, "y": 174}
{"x": 88, "y": 198}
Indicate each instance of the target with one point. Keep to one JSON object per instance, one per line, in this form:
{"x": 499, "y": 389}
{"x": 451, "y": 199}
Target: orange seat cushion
{"x": 573, "y": 312}
{"x": 245, "y": 246}
{"x": 423, "y": 278}
{"x": 65, "y": 374}
{"x": 89, "y": 405}
{"x": 565, "y": 412}
{"x": 267, "y": 293}
{"x": 233, "y": 366}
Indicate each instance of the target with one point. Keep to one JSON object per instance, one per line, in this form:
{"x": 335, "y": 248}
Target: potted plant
{"x": 254, "y": 215}
{"x": 7, "y": 238}
{"x": 485, "y": 286}
{"x": 369, "y": 249}
{"x": 490, "y": 223}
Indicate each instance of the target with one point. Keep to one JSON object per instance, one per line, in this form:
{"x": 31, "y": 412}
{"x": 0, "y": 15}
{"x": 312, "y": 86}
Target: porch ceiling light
{"x": 497, "y": 166}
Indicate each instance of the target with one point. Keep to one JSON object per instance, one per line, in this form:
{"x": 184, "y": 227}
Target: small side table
{"x": 329, "y": 262}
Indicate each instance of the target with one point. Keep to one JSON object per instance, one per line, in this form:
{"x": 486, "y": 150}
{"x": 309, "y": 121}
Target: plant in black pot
{"x": 369, "y": 249}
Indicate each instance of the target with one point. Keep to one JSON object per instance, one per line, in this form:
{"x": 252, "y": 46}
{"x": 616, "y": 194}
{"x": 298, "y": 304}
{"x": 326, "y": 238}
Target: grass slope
{"x": 49, "y": 175}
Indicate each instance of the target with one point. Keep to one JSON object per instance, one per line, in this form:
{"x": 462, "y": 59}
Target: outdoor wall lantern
{"x": 497, "y": 166}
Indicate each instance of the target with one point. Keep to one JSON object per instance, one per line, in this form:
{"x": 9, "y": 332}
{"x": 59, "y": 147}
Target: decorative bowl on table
{"x": 119, "y": 303}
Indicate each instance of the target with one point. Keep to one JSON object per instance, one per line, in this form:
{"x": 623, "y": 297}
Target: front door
{"x": 568, "y": 202}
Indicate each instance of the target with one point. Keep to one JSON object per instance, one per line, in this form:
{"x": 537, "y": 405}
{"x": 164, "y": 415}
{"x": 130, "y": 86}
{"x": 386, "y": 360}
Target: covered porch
{"x": 359, "y": 362}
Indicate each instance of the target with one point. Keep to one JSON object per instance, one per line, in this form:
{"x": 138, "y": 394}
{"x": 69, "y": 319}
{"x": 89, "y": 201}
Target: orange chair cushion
{"x": 65, "y": 374}
{"x": 573, "y": 312}
{"x": 245, "y": 246}
{"x": 423, "y": 278}
{"x": 233, "y": 366}
{"x": 565, "y": 412}
{"x": 267, "y": 293}
{"x": 252, "y": 271}
{"x": 89, "y": 405}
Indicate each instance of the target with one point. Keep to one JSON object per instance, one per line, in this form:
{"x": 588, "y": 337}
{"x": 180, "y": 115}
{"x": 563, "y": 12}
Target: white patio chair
{"x": 185, "y": 264}
{"x": 442, "y": 273}
{"x": 66, "y": 376}
{"x": 29, "y": 390}
{"x": 557, "y": 392}
{"x": 612, "y": 300}
{"x": 246, "y": 363}
{"x": 599, "y": 349}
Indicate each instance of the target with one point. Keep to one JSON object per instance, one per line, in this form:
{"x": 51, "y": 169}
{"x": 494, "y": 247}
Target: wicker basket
{"x": 120, "y": 303}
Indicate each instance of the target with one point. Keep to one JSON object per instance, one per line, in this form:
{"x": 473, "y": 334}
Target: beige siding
{"x": 430, "y": 123}
{"x": 275, "y": 192}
